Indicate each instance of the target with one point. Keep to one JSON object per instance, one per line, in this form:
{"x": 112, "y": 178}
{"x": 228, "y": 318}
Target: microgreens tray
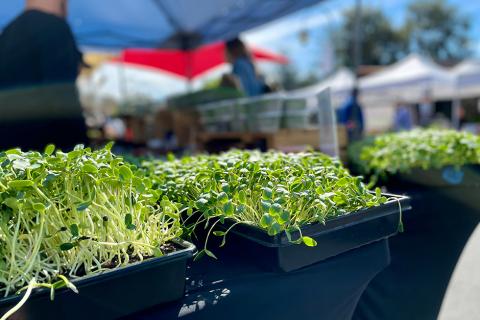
{"x": 419, "y": 149}
{"x": 112, "y": 294}
{"x": 336, "y": 236}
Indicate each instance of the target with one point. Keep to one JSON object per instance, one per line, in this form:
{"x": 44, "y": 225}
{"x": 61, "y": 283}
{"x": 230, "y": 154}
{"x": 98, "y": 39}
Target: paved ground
{"x": 462, "y": 300}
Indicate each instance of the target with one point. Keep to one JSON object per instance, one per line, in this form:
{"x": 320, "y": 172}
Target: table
{"x": 288, "y": 140}
{"x": 230, "y": 288}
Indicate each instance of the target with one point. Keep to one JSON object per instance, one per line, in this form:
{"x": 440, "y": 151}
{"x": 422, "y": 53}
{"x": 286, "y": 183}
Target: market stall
{"x": 409, "y": 80}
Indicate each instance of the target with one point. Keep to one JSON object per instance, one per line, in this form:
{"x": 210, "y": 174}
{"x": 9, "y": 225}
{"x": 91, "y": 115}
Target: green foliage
{"x": 433, "y": 27}
{"x": 438, "y": 29}
{"x": 82, "y": 212}
{"x": 290, "y": 79}
{"x": 354, "y": 151}
{"x": 381, "y": 42}
{"x": 425, "y": 149}
{"x": 273, "y": 191}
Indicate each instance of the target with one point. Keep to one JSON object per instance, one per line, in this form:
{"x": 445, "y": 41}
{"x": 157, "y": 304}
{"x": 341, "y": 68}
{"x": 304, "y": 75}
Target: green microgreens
{"x": 274, "y": 191}
{"x": 68, "y": 214}
{"x": 424, "y": 149}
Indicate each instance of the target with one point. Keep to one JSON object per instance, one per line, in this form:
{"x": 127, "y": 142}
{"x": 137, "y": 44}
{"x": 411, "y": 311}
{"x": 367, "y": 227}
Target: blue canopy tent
{"x": 185, "y": 24}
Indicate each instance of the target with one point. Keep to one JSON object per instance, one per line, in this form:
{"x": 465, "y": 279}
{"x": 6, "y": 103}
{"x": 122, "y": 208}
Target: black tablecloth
{"x": 230, "y": 288}
{"x": 424, "y": 256}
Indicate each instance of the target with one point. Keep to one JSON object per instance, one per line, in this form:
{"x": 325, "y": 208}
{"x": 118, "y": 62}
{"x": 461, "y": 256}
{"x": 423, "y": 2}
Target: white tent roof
{"x": 121, "y": 81}
{"x": 467, "y": 76}
{"x": 467, "y": 73}
{"x": 412, "y": 70}
{"x": 342, "y": 80}
{"x": 410, "y": 79}
{"x": 465, "y": 67}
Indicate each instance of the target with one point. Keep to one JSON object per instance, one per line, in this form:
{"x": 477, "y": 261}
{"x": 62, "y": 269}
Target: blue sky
{"x": 319, "y": 21}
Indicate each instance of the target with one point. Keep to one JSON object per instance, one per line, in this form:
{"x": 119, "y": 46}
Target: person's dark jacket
{"x": 39, "y": 64}
{"x": 351, "y": 115}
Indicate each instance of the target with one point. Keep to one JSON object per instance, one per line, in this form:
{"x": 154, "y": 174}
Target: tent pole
{"x": 357, "y": 49}
{"x": 456, "y": 107}
{"x": 187, "y": 48}
{"x": 189, "y": 72}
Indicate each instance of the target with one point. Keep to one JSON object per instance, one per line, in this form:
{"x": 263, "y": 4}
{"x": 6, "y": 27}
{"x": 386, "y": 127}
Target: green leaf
{"x": 129, "y": 222}
{"x": 267, "y": 193}
{"x": 222, "y": 198}
{"x": 74, "y": 230}
{"x": 40, "y": 207}
{"x": 242, "y": 197}
{"x": 125, "y": 172}
{"x": 109, "y": 146}
{"x": 67, "y": 246}
{"x": 309, "y": 241}
{"x": 128, "y": 219}
{"x": 275, "y": 209}
{"x": 74, "y": 154}
{"x": 11, "y": 203}
{"x": 343, "y": 182}
{"x": 225, "y": 187}
{"x": 83, "y": 206}
{"x": 284, "y": 216}
{"x": 210, "y": 254}
{"x": 219, "y": 233}
{"x": 378, "y": 192}
{"x": 229, "y": 208}
{"x": 223, "y": 242}
{"x": 265, "y": 205}
{"x": 13, "y": 151}
{"x": 49, "y": 179}
{"x": 266, "y": 220}
{"x": 157, "y": 252}
{"x": 201, "y": 203}
{"x": 49, "y": 149}
{"x": 20, "y": 184}
{"x": 89, "y": 168}
{"x": 170, "y": 156}
{"x": 274, "y": 229}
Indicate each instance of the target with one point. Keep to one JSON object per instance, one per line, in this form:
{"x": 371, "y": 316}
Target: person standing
{"x": 244, "y": 69}
{"x": 425, "y": 110}
{"x": 403, "y": 119}
{"x": 39, "y": 64}
{"x": 351, "y": 116}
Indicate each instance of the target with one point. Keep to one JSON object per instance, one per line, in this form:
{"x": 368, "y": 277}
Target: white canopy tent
{"x": 113, "y": 85}
{"x": 342, "y": 80}
{"x": 410, "y": 79}
{"x": 467, "y": 78}
{"x": 340, "y": 83}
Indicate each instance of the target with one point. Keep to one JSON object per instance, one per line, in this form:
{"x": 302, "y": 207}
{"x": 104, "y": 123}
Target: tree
{"x": 381, "y": 43}
{"x": 438, "y": 29}
{"x": 290, "y": 79}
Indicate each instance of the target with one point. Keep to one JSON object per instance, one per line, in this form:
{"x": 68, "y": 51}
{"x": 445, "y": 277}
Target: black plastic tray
{"x": 447, "y": 177}
{"x": 111, "y": 294}
{"x": 336, "y": 236}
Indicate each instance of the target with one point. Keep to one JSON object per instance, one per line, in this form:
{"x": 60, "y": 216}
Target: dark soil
{"x": 166, "y": 249}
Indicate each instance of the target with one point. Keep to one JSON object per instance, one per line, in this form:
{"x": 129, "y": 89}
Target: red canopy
{"x": 190, "y": 64}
